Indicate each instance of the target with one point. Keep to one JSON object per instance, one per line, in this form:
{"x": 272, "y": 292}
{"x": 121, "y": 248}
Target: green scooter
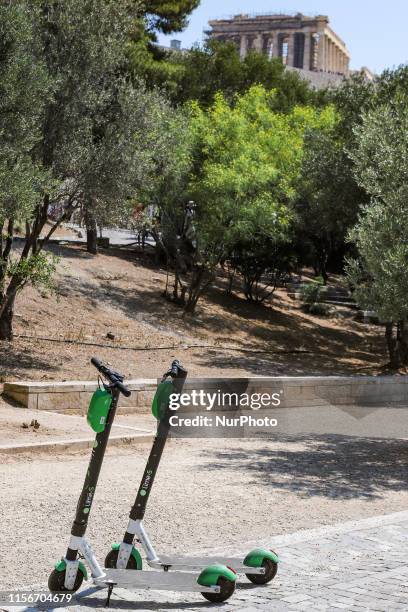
{"x": 259, "y": 565}
{"x": 215, "y": 582}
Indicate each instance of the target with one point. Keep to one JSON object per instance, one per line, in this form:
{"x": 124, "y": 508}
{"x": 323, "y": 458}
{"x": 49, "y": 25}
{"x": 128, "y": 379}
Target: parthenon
{"x": 307, "y": 43}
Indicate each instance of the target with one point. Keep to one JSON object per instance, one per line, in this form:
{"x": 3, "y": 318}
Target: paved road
{"x": 354, "y": 566}
{"x": 121, "y": 237}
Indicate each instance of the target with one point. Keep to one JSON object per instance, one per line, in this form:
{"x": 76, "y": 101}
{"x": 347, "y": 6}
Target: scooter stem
{"x": 83, "y": 510}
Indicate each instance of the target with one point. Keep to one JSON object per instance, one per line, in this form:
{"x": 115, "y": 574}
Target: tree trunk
{"x": 231, "y": 276}
{"x": 198, "y": 284}
{"x": 402, "y": 344}
{"x": 6, "y": 322}
{"x": 321, "y": 264}
{"x": 397, "y": 345}
{"x": 390, "y": 340}
{"x": 91, "y": 235}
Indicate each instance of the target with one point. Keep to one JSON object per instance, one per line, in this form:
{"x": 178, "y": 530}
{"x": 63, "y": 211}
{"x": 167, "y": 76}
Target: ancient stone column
{"x": 291, "y": 49}
{"x": 258, "y": 43}
{"x": 308, "y": 50}
{"x": 331, "y": 56}
{"x": 327, "y": 62}
{"x": 244, "y": 46}
{"x": 322, "y": 52}
{"x": 338, "y": 60}
{"x": 272, "y": 47}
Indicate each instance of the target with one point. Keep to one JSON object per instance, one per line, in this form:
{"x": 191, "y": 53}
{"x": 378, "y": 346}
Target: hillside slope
{"x": 120, "y": 292}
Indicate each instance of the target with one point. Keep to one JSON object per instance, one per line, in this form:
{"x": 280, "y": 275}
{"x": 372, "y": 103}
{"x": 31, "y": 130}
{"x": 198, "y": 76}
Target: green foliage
{"x": 145, "y": 59}
{"x": 202, "y": 72}
{"x": 76, "y": 133}
{"x": 244, "y": 183}
{"x": 264, "y": 262}
{"x": 319, "y": 309}
{"x": 168, "y": 15}
{"x": 37, "y": 270}
{"x": 380, "y": 273}
{"x": 23, "y": 88}
{"x": 312, "y": 293}
{"x": 330, "y": 197}
{"x": 245, "y": 163}
{"x": 329, "y": 200}
{"x": 355, "y": 96}
{"x": 171, "y": 143}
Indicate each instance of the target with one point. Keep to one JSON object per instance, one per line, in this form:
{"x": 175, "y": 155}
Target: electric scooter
{"x": 215, "y": 582}
{"x": 259, "y": 565}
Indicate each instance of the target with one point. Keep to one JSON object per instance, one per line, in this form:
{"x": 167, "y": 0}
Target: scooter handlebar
{"x": 114, "y": 377}
{"x": 176, "y": 370}
{"x": 98, "y": 364}
{"x": 175, "y": 366}
{"x": 124, "y": 390}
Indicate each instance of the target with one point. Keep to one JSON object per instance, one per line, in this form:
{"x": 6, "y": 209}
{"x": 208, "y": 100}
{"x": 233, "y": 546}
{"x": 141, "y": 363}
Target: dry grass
{"x": 120, "y": 292}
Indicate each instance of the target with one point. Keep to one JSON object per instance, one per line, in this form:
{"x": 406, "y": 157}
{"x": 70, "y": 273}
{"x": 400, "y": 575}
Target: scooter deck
{"x": 165, "y": 581}
{"x": 197, "y": 563}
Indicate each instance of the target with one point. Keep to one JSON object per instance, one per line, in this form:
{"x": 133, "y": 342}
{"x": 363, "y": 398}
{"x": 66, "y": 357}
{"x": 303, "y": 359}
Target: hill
{"x": 119, "y": 294}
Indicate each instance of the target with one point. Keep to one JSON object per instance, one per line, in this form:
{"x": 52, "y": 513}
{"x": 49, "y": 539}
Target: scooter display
{"x": 215, "y": 582}
{"x": 259, "y": 565}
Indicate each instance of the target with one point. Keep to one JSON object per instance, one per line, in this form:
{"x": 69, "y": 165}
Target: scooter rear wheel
{"x": 271, "y": 569}
{"x": 227, "y": 589}
{"x": 57, "y": 579}
{"x": 112, "y": 559}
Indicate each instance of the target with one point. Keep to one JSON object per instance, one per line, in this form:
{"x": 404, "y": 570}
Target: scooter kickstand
{"x": 110, "y": 591}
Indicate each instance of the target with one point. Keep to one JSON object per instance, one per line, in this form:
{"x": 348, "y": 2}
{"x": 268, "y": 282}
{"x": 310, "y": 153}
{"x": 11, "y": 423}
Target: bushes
{"x": 312, "y": 295}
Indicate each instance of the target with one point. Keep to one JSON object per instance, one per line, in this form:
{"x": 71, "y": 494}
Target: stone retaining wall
{"x": 74, "y": 396}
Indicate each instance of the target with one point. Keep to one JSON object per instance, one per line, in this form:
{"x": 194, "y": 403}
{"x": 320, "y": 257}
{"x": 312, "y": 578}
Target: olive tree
{"x": 87, "y": 136}
{"x": 380, "y": 272}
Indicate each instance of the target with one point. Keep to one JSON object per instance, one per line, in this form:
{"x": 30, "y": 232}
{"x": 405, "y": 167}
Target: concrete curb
{"x": 75, "y": 444}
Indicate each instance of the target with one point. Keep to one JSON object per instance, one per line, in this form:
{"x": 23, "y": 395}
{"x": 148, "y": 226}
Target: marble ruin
{"x": 305, "y": 43}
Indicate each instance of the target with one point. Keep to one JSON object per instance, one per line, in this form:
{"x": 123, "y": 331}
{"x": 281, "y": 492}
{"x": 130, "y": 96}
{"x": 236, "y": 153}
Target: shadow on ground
{"x": 15, "y": 361}
{"x": 95, "y": 597}
{"x": 226, "y": 316}
{"x": 336, "y": 467}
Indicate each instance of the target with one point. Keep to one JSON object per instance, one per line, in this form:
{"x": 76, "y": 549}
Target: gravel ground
{"x": 56, "y": 426}
{"x": 208, "y": 494}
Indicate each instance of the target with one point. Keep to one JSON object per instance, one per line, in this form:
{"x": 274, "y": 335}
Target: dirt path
{"x": 211, "y": 493}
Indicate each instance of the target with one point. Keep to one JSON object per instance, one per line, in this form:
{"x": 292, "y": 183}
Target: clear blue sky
{"x": 375, "y": 31}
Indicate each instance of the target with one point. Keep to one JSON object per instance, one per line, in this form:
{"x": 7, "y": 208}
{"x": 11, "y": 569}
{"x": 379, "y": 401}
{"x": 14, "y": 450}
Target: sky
{"x": 375, "y": 31}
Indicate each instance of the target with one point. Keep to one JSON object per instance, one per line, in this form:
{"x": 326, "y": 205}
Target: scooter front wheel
{"x": 112, "y": 559}
{"x": 56, "y": 582}
{"x": 271, "y": 569}
{"x": 227, "y": 589}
